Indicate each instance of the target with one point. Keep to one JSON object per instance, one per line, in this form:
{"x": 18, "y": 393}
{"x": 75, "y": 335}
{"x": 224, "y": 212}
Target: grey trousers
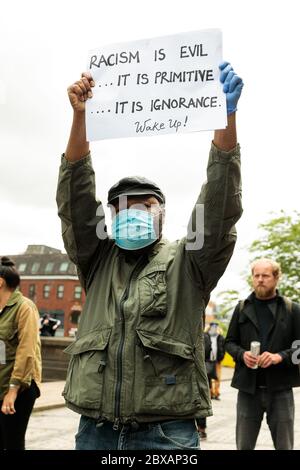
{"x": 279, "y": 409}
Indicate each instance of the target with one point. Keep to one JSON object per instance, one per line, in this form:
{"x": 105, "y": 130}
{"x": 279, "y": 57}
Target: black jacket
{"x": 220, "y": 347}
{"x": 244, "y": 328}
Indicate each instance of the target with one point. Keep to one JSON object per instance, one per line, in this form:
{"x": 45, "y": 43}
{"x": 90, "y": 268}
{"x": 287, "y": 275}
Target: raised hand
{"x": 232, "y": 86}
{"x": 80, "y": 91}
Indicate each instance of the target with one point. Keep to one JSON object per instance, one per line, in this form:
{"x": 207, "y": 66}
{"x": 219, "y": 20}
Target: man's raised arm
{"x": 81, "y": 215}
{"x": 212, "y": 236}
{"x": 78, "y": 94}
{"x": 226, "y": 139}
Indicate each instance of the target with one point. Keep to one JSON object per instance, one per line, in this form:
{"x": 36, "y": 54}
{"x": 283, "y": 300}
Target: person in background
{"x": 48, "y": 325}
{"x": 265, "y": 380}
{"x": 214, "y": 346}
{"x": 217, "y": 353}
{"x": 20, "y": 358}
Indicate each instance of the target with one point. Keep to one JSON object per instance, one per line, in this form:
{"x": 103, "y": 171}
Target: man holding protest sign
{"x": 137, "y": 373}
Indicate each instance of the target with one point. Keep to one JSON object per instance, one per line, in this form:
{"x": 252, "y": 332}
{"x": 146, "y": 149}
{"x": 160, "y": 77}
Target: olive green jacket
{"x": 20, "y": 345}
{"x": 139, "y": 354}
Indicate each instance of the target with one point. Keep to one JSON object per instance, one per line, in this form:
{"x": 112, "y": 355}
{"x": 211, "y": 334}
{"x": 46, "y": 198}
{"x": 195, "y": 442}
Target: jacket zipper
{"x": 121, "y": 346}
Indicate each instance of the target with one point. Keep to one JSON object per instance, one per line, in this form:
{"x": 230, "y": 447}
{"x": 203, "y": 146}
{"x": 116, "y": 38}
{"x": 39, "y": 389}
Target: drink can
{"x": 255, "y": 350}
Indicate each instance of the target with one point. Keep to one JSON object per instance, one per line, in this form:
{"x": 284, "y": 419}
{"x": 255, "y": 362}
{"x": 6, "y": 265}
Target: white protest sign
{"x": 157, "y": 86}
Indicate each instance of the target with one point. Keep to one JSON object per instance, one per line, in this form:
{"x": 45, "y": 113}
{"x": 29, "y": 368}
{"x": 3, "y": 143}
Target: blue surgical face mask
{"x": 133, "y": 229}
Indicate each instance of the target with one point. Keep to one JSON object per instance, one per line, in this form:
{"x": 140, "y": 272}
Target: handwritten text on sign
{"x": 157, "y": 86}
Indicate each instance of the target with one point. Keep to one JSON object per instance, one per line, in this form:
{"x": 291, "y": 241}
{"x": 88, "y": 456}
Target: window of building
{"x": 60, "y": 291}
{"x": 31, "y": 291}
{"x": 49, "y": 267}
{"x": 46, "y": 291}
{"x": 35, "y": 268}
{"x": 22, "y": 267}
{"x": 64, "y": 267}
{"x": 77, "y": 292}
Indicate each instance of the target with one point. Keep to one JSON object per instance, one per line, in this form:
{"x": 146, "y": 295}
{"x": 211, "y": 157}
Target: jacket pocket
{"x": 165, "y": 378}
{"x": 153, "y": 292}
{"x": 85, "y": 376}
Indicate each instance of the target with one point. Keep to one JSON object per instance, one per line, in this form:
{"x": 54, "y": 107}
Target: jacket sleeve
{"x": 28, "y": 350}
{"x": 211, "y": 232}
{"x": 82, "y": 217}
{"x": 232, "y": 341}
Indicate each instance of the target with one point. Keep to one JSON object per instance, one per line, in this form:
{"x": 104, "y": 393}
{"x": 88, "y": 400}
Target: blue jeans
{"x": 175, "y": 434}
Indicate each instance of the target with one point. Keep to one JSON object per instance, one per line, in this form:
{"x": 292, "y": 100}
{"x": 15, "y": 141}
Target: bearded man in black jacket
{"x": 265, "y": 381}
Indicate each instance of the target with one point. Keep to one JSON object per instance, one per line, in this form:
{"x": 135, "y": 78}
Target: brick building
{"x": 49, "y": 278}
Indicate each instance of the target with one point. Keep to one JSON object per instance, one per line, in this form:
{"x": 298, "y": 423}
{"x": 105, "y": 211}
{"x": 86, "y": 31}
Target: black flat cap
{"x": 135, "y": 186}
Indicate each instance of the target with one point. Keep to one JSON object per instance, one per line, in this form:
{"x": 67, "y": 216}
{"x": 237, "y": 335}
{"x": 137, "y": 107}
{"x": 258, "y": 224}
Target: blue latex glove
{"x": 232, "y": 86}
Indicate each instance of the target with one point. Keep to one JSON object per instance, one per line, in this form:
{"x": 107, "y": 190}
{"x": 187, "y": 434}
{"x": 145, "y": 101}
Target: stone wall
{"x": 54, "y": 360}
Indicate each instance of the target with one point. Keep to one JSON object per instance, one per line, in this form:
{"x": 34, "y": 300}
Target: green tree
{"x": 227, "y": 303}
{"x": 280, "y": 241}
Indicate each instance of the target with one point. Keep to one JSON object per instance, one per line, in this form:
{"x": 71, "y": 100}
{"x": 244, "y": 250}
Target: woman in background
{"x": 20, "y": 358}
{"x": 214, "y": 347}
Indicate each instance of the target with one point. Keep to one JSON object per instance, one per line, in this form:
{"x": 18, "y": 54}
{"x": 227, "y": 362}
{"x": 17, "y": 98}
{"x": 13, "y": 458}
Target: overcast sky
{"x": 44, "y": 48}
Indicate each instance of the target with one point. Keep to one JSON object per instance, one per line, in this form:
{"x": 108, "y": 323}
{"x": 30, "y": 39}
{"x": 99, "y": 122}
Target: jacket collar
{"x": 250, "y": 311}
{"x": 157, "y": 247}
{"x": 251, "y": 297}
{"x": 14, "y": 298}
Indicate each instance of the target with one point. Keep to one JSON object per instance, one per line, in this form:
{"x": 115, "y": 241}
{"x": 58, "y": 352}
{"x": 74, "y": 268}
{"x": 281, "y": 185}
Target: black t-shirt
{"x": 266, "y": 320}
